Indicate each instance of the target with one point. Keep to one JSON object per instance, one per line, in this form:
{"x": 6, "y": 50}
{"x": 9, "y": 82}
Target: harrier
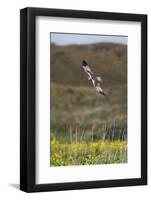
{"x": 96, "y": 80}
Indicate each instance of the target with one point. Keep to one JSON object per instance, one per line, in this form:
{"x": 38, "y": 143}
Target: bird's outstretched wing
{"x": 96, "y": 81}
{"x": 98, "y": 87}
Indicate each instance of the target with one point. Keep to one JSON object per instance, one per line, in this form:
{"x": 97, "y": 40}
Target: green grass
{"x": 91, "y": 112}
{"x": 87, "y": 153}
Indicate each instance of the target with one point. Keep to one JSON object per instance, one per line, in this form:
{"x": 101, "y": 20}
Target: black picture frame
{"x": 28, "y": 98}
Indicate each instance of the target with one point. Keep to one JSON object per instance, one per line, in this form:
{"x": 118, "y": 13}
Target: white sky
{"x": 66, "y": 39}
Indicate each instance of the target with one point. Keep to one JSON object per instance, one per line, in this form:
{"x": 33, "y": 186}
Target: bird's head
{"x": 84, "y": 63}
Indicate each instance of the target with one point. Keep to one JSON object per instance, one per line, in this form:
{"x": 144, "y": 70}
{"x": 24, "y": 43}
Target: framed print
{"x": 83, "y": 99}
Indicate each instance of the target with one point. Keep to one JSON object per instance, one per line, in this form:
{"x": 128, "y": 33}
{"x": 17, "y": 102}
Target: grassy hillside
{"x": 106, "y": 59}
{"x": 74, "y": 101}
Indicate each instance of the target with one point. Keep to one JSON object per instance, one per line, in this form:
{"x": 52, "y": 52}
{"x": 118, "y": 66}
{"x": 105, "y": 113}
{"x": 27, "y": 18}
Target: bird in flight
{"x": 96, "y": 80}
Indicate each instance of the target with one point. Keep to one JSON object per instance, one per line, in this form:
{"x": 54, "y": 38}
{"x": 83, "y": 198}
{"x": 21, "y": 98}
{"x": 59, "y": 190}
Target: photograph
{"x": 83, "y": 99}
{"x": 88, "y": 99}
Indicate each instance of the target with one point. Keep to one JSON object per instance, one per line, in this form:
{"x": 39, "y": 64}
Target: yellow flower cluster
{"x": 87, "y": 153}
